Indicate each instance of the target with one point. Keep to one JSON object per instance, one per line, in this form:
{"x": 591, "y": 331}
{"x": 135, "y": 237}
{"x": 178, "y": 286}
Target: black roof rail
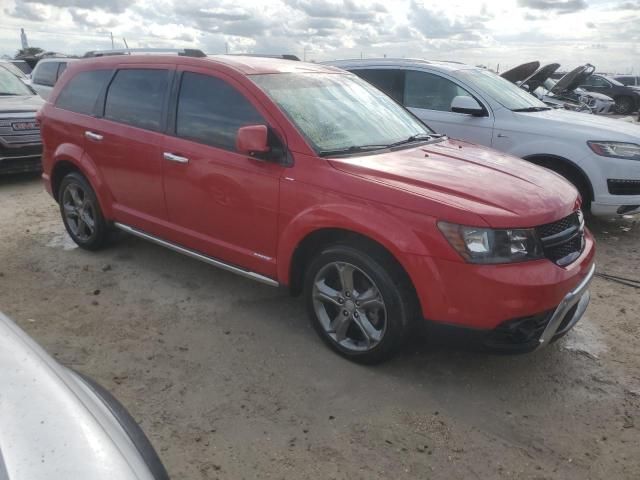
{"x": 184, "y": 52}
{"x": 284, "y": 56}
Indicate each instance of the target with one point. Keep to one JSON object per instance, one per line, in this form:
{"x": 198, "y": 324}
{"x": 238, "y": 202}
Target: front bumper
{"x": 530, "y": 333}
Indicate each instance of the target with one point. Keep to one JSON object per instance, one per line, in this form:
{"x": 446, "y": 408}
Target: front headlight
{"x": 486, "y": 245}
{"x": 628, "y": 151}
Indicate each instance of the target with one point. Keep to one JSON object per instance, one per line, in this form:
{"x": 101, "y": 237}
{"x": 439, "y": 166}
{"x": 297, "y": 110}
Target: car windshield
{"x": 340, "y": 111}
{"x": 12, "y": 85}
{"x": 503, "y": 91}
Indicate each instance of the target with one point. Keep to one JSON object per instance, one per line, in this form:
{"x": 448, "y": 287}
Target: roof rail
{"x": 185, "y": 52}
{"x": 284, "y": 56}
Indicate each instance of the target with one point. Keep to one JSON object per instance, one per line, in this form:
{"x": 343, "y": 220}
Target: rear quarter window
{"x": 136, "y": 97}
{"x": 81, "y": 92}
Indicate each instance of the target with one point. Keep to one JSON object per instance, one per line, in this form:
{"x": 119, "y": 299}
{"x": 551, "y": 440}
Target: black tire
{"x": 398, "y": 298}
{"x": 88, "y": 237}
{"x": 624, "y": 105}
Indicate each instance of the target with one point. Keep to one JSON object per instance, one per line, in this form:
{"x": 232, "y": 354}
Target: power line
{"x": 68, "y": 34}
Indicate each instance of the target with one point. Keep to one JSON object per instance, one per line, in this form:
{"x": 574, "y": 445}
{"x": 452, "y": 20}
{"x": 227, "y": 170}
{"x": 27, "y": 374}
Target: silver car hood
{"x": 52, "y": 425}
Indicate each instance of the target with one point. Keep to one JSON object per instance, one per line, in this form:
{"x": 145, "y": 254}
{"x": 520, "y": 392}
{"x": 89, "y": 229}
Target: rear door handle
{"x": 172, "y": 157}
{"x": 96, "y": 137}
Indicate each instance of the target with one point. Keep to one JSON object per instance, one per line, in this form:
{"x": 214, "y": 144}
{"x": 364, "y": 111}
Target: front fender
{"x": 399, "y": 231}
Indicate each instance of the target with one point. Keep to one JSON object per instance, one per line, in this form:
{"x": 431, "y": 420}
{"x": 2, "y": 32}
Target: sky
{"x": 605, "y": 33}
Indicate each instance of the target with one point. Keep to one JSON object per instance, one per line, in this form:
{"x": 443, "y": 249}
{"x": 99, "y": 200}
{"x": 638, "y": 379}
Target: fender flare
{"x": 378, "y": 225}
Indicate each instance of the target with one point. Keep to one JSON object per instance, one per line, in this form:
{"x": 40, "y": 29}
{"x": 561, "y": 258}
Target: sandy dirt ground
{"x": 229, "y": 381}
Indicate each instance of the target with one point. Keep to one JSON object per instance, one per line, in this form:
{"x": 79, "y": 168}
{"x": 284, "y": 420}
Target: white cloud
{"x": 603, "y": 32}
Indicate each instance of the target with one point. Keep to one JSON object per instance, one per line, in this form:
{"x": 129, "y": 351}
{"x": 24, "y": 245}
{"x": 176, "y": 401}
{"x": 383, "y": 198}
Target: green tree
{"x": 28, "y": 52}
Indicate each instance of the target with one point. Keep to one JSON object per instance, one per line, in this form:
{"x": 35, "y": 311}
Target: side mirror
{"x": 252, "y": 140}
{"x": 468, "y": 105}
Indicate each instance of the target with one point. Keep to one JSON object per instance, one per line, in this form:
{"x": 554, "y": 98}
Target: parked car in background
{"x": 305, "y": 176}
{"x": 46, "y": 74}
{"x": 11, "y": 68}
{"x": 58, "y": 423}
{"x": 20, "y": 143}
{"x": 567, "y": 88}
{"x": 627, "y": 99}
{"x": 628, "y": 80}
{"x": 22, "y": 65}
{"x": 598, "y": 155}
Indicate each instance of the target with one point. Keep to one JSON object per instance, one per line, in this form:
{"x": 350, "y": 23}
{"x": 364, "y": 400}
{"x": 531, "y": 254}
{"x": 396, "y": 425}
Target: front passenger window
{"x": 429, "y": 91}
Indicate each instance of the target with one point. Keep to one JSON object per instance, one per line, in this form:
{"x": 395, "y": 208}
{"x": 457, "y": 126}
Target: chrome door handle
{"x": 175, "y": 158}
{"x": 96, "y": 137}
{"x": 500, "y": 135}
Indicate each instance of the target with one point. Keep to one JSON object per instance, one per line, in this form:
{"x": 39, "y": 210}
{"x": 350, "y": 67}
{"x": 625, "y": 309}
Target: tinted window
{"x": 211, "y": 111}
{"x": 594, "y": 81}
{"x": 46, "y": 73}
{"x": 389, "y": 81}
{"x": 81, "y": 93}
{"x": 61, "y": 68}
{"x": 136, "y": 97}
{"x": 425, "y": 90}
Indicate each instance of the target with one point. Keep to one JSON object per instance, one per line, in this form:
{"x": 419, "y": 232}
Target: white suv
{"x": 46, "y": 74}
{"x": 600, "y": 156}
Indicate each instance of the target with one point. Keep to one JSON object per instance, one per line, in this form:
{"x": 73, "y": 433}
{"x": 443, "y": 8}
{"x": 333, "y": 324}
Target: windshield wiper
{"x": 531, "y": 109}
{"x": 5, "y": 94}
{"x": 417, "y": 138}
{"x": 351, "y": 149}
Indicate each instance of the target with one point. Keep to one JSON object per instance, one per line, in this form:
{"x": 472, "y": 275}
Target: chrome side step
{"x": 198, "y": 256}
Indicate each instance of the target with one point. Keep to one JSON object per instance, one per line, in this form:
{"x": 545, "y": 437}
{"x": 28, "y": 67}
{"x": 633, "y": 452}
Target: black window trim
{"x": 172, "y": 114}
{"x": 102, "y": 97}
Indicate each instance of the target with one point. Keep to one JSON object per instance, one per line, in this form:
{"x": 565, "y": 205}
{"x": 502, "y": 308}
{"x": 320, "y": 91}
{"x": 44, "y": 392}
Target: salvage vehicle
{"x": 563, "y": 93}
{"x": 306, "y": 176}
{"x": 59, "y": 423}
{"x": 628, "y": 80}
{"x": 598, "y": 155}
{"x": 627, "y": 99}
{"x": 20, "y": 144}
{"x": 518, "y": 74}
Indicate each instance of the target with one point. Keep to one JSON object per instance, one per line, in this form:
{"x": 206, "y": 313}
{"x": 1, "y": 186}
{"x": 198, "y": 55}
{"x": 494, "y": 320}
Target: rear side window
{"x": 46, "y": 73}
{"x": 211, "y": 111}
{"x": 594, "y": 81}
{"x": 81, "y": 93}
{"x": 429, "y": 91}
{"x": 136, "y": 97}
{"x": 389, "y": 81}
{"x": 61, "y": 68}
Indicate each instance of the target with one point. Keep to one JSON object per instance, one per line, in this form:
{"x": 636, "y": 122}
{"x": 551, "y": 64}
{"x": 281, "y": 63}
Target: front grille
{"x": 12, "y": 135}
{"x": 563, "y": 241}
{"x": 20, "y": 165}
{"x": 623, "y": 187}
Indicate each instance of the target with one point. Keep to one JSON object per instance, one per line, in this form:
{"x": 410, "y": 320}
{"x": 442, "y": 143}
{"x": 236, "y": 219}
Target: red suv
{"x": 306, "y": 176}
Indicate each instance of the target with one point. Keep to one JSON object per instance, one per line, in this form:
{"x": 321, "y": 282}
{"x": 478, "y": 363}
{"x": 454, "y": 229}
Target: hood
{"x": 556, "y": 123}
{"x": 20, "y": 103}
{"x": 519, "y": 73}
{"x": 574, "y": 78}
{"x": 51, "y": 425}
{"x": 538, "y": 78}
{"x": 504, "y": 191}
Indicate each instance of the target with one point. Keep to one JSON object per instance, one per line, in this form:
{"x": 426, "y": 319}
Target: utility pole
{"x": 226, "y": 47}
{"x": 111, "y": 34}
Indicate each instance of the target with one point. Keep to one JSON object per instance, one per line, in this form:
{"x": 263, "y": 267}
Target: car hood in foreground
{"x": 52, "y": 426}
{"x": 20, "y": 103}
{"x": 504, "y": 191}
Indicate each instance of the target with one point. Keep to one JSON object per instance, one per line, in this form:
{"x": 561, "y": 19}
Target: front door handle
{"x": 501, "y": 135}
{"x": 172, "y": 157}
{"x": 96, "y": 137}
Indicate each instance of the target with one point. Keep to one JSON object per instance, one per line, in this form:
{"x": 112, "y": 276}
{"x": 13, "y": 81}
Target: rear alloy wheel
{"x": 81, "y": 212}
{"x": 355, "y": 305}
{"x": 624, "y": 105}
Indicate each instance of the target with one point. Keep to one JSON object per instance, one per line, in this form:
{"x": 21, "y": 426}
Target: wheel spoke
{"x": 340, "y": 326}
{"x": 70, "y": 210}
{"x": 345, "y": 272}
{"x": 369, "y": 332}
{"x": 74, "y": 191}
{"x": 325, "y": 293}
{"x": 370, "y": 299}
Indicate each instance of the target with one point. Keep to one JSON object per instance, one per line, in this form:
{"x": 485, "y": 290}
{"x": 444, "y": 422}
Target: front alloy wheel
{"x": 359, "y": 300}
{"x": 349, "y": 306}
